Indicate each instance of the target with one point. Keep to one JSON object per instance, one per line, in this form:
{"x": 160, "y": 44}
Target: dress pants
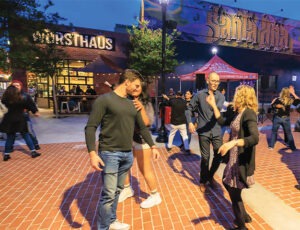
{"x": 207, "y": 174}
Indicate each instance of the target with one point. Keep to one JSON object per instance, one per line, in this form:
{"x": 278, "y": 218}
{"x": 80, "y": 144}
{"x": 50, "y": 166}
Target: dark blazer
{"x": 248, "y": 132}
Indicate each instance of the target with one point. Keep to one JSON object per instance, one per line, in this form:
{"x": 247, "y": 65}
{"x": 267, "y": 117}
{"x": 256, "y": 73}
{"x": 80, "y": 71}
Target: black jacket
{"x": 15, "y": 120}
{"x": 178, "y": 106}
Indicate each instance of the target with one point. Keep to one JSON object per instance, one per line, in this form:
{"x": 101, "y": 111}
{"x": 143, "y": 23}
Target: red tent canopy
{"x": 225, "y": 71}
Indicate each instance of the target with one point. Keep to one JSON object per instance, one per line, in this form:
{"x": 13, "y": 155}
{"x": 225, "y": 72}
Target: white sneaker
{"x": 151, "y": 201}
{"x": 126, "y": 193}
{"x": 117, "y": 225}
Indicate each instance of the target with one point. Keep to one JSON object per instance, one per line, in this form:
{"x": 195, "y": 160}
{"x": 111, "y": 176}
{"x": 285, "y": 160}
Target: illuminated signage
{"x": 204, "y": 22}
{"x": 243, "y": 29}
{"x": 75, "y": 40}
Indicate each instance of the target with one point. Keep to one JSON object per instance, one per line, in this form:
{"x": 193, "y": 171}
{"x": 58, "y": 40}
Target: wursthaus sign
{"x": 74, "y": 39}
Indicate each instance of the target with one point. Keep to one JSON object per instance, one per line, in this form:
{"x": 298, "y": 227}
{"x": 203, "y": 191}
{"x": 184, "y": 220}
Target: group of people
{"x": 239, "y": 152}
{"x": 17, "y": 119}
{"x": 125, "y": 115}
{"x": 124, "y": 121}
{"x": 73, "y": 101}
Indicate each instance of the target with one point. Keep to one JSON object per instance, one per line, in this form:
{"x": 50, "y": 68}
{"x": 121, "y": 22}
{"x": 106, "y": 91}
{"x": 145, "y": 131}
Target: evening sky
{"x": 104, "y": 14}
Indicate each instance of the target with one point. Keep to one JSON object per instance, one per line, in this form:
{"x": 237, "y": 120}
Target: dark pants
{"x": 11, "y": 139}
{"x": 286, "y": 125}
{"x": 237, "y": 205}
{"x": 207, "y": 174}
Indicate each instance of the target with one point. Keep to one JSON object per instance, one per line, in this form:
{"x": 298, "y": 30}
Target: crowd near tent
{"x": 226, "y": 72}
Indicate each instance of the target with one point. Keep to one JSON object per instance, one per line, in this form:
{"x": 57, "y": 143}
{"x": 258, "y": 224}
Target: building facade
{"x": 92, "y": 57}
{"x": 249, "y": 41}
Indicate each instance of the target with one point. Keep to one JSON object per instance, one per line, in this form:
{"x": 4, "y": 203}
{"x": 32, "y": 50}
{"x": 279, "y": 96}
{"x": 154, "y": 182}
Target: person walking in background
{"x": 31, "y": 107}
{"x": 209, "y": 131}
{"x": 32, "y": 91}
{"x": 14, "y": 121}
{"x": 188, "y": 97}
{"x": 178, "y": 121}
{"x": 142, "y": 152}
{"x": 226, "y": 103}
{"x": 240, "y": 149}
{"x": 282, "y": 107}
{"x": 117, "y": 116}
{"x": 224, "y": 108}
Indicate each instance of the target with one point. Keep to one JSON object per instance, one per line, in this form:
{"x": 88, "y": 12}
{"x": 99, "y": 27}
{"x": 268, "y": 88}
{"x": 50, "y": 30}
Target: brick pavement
{"x": 59, "y": 190}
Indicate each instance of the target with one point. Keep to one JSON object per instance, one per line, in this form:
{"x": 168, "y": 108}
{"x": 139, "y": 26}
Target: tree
{"x": 48, "y": 61}
{"x": 146, "y": 54}
{"x": 19, "y": 21}
{"x": 145, "y": 51}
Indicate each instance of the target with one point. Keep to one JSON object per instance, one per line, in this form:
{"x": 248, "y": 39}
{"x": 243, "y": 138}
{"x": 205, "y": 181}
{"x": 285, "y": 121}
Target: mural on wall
{"x": 204, "y": 22}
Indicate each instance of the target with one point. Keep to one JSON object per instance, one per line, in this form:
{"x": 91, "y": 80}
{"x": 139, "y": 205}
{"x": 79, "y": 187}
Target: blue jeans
{"x": 10, "y": 140}
{"x": 117, "y": 165}
{"x": 286, "y": 125}
{"x": 30, "y": 129}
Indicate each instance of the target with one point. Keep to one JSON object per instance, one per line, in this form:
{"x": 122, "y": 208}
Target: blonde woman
{"x": 240, "y": 149}
{"x": 282, "y": 106}
{"x": 142, "y": 152}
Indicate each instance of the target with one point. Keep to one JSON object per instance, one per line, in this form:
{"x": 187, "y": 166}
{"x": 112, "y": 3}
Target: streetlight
{"x": 162, "y": 134}
{"x": 214, "y": 50}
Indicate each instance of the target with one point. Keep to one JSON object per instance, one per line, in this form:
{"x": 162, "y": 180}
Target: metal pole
{"x": 179, "y": 84}
{"x": 162, "y": 134}
{"x": 156, "y": 103}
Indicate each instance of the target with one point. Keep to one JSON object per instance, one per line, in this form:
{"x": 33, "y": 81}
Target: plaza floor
{"x": 59, "y": 190}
